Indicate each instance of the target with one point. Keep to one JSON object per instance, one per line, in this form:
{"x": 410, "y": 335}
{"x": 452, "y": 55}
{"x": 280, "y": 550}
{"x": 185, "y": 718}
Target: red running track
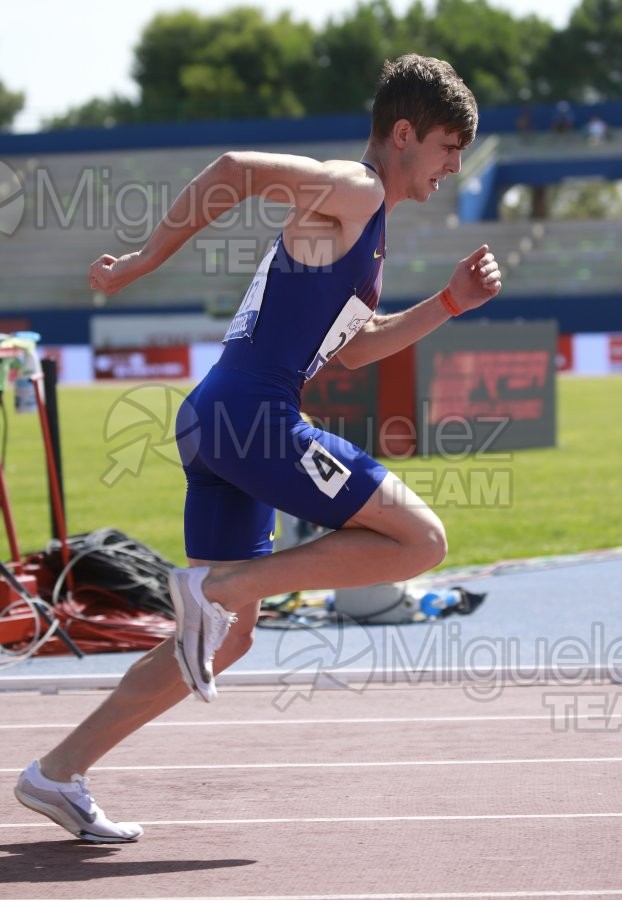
{"x": 400, "y": 792}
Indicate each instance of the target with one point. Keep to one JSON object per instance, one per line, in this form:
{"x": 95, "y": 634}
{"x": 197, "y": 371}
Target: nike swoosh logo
{"x": 377, "y": 255}
{"x": 88, "y": 817}
{"x": 272, "y": 536}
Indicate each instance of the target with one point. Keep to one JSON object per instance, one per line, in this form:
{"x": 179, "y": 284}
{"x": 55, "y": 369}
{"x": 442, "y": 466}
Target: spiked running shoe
{"x": 202, "y": 626}
{"x": 69, "y": 804}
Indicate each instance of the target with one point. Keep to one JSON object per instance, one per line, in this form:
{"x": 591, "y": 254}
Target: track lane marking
{"x": 478, "y": 895}
{"x": 328, "y": 820}
{"x": 545, "y": 717}
{"x": 453, "y": 895}
{"x": 348, "y": 765}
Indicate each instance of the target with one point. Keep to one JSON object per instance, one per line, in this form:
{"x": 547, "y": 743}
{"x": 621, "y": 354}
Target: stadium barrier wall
{"x": 581, "y": 354}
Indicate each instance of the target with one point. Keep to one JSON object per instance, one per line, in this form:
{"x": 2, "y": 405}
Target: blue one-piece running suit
{"x": 244, "y": 446}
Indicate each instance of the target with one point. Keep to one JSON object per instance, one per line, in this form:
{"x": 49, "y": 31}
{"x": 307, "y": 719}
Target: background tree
{"x": 583, "y": 62}
{"x": 236, "y": 64}
{"x": 239, "y": 63}
{"x": 97, "y": 113}
{"x": 492, "y": 51}
{"x": 11, "y": 102}
{"x": 169, "y": 43}
{"x": 350, "y": 55}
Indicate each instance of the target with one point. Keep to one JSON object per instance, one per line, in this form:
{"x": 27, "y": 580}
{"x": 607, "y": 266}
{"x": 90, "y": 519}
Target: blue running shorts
{"x": 246, "y": 451}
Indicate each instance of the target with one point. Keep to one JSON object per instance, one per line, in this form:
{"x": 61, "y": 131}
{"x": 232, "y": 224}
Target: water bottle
{"x": 25, "y": 391}
{"x": 434, "y": 602}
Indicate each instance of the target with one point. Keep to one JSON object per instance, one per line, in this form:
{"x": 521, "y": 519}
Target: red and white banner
{"x": 583, "y": 354}
{"x": 139, "y": 363}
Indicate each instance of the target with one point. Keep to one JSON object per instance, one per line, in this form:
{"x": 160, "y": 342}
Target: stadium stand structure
{"x": 80, "y": 204}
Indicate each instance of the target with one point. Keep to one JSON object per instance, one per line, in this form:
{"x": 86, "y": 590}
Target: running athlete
{"x": 245, "y": 447}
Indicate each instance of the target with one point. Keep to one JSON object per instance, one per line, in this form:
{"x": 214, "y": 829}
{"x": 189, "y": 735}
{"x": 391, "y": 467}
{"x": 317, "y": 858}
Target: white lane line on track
{"x": 478, "y": 895}
{"x": 546, "y": 717}
{"x": 379, "y": 764}
{"x": 331, "y": 820}
{"x": 486, "y": 895}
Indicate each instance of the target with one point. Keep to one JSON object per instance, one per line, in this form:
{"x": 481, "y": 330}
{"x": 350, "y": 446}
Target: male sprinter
{"x": 314, "y": 295}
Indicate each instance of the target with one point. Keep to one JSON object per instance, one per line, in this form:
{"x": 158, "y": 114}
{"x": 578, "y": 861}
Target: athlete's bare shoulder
{"x": 346, "y": 195}
{"x": 337, "y": 189}
{"x": 359, "y": 188}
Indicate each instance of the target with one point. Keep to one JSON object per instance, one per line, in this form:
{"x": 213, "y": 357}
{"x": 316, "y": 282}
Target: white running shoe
{"x": 69, "y": 804}
{"x": 202, "y": 626}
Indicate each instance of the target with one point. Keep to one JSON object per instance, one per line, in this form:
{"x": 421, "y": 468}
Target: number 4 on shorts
{"x": 328, "y": 473}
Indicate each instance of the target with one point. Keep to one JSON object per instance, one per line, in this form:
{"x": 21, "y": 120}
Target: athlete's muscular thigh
{"x": 398, "y": 512}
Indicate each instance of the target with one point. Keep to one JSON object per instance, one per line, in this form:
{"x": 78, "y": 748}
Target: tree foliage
{"x": 584, "y": 61}
{"x": 235, "y": 64}
{"x": 491, "y": 50}
{"x": 350, "y": 55}
{"x": 239, "y": 63}
{"x": 11, "y": 102}
{"x": 97, "y": 113}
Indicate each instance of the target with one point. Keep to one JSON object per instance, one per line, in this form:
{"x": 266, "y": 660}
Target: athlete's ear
{"x": 402, "y": 132}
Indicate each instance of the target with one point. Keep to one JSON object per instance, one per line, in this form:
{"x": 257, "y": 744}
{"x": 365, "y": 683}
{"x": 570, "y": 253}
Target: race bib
{"x": 327, "y": 473}
{"x": 244, "y": 321}
{"x": 350, "y": 320}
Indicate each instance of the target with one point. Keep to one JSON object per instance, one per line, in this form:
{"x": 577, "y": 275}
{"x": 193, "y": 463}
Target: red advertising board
{"x": 486, "y": 386}
{"x": 141, "y": 363}
{"x": 343, "y": 401}
{"x": 615, "y": 352}
{"x": 564, "y": 361}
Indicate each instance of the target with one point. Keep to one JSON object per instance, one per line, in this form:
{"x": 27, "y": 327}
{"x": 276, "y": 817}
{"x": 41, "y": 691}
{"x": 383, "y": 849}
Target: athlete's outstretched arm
{"x": 475, "y": 280}
{"x": 201, "y": 201}
{"x": 335, "y": 189}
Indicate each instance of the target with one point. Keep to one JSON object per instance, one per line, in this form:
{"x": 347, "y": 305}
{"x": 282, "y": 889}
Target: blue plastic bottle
{"x": 434, "y": 602}
{"x": 25, "y": 391}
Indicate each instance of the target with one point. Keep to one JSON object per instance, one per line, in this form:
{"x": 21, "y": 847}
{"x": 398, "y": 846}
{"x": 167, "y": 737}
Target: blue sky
{"x": 65, "y": 52}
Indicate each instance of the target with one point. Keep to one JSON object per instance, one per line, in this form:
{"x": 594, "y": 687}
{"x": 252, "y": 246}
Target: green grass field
{"x": 536, "y": 502}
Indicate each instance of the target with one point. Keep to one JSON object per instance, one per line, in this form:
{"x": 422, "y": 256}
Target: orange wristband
{"x": 449, "y": 303}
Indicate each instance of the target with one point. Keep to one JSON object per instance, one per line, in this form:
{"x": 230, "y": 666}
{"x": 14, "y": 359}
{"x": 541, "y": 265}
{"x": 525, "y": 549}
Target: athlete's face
{"x": 425, "y": 164}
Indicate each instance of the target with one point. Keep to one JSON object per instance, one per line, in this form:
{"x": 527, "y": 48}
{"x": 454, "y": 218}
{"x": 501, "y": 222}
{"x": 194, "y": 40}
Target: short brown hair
{"x": 428, "y": 93}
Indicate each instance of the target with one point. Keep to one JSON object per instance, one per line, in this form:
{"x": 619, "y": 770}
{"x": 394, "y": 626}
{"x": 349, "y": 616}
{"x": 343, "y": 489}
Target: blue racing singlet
{"x": 244, "y": 446}
{"x": 294, "y": 317}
